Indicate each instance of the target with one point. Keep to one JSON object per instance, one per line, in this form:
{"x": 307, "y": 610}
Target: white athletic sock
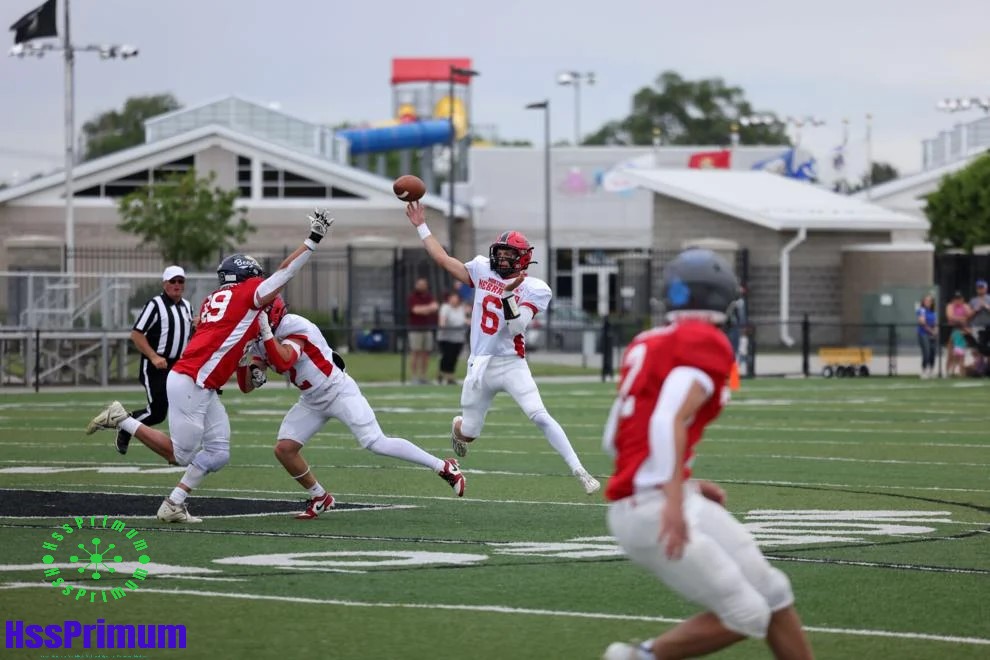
{"x": 405, "y": 450}
{"x": 130, "y": 425}
{"x": 178, "y": 495}
{"x": 317, "y": 490}
{"x": 558, "y": 439}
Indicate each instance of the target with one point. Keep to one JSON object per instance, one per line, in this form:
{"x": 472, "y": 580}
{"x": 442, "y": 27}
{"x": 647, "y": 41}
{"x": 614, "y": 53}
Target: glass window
{"x": 565, "y": 287}
{"x": 340, "y": 192}
{"x": 92, "y": 191}
{"x": 565, "y": 259}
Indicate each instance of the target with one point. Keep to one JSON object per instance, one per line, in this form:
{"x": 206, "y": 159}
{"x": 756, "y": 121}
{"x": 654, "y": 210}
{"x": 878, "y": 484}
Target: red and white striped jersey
{"x": 646, "y": 363}
{"x": 315, "y": 366}
{"x": 228, "y": 320}
{"x": 489, "y": 332}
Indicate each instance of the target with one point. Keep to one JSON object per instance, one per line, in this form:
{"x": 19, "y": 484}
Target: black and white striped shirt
{"x": 166, "y": 325}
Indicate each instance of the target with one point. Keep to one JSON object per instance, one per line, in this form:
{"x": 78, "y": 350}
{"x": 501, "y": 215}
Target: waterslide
{"x": 411, "y": 135}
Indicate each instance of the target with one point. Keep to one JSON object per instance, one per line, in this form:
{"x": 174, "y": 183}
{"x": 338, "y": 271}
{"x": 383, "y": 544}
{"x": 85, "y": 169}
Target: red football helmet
{"x": 520, "y": 245}
{"x": 276, "y": 310}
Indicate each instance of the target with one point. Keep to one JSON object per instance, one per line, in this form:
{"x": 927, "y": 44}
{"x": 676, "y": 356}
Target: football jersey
{"x": 646, "y": 363}
{"x": 227, "y": 322}
{"x": 316, "y": 362}
{"x": 489, "y": 331}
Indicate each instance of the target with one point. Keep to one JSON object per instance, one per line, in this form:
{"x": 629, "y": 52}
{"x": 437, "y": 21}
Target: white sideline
{"x": 501, "y": 609}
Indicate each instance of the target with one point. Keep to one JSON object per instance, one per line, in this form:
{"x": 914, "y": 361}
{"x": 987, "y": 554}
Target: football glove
{"x": 258, "y": 375}
{"x": 319, "y": 224}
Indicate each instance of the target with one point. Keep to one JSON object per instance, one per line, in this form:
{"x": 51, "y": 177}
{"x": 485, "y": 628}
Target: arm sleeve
{"x": 517, "y": 326}
{"x": 280, "y": 277}
{"x": 275, "y": 356}
{"x": 675, "y": 390}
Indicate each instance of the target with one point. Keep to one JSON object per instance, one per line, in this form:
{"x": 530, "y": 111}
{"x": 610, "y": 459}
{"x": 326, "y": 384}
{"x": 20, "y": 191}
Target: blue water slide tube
{"x": 413, "y": 135}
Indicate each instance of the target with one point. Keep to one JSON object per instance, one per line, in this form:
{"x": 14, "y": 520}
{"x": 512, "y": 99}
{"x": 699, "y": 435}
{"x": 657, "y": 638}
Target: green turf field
{"x": 873, "y": 495}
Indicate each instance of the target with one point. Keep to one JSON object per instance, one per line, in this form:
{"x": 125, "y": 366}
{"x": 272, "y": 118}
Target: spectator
{"x": 957, "y": 314}
{"x": 927, "y": 335}
{"x": 736, "y": 326}
{"x": 422, "y": 320}
{"x": 451, "y": 335}
{"x": 979, "y": 310}
{"x": 161, "y": 333}
{"x": 981, "y": 301}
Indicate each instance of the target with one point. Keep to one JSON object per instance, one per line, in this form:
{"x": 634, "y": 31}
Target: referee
{"x": 161, "y": 333}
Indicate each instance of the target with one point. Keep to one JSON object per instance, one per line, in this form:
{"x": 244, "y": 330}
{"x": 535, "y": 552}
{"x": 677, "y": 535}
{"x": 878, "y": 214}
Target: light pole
{"x": 545, "y": 107}
{"x": 106, "y": 52}
{"x": 575, "y": 78}
{"x": 455, "y": 72}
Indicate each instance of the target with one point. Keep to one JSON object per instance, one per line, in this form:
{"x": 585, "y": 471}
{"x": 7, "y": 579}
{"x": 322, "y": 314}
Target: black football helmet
{"x": 237, "y": 268}
{"x": 699, "y": 280}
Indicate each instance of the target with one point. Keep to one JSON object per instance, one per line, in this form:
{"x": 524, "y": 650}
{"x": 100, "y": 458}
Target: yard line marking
{"x": 882, "y": 564}
{"x": 503, "y": 609}
{"x": 850, "y": 460}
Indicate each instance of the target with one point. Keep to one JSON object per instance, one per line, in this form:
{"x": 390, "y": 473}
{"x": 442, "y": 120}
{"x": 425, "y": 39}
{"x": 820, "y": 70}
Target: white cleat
{"x": 588, "y": 482}
{"x": 625, "y": 651}
{"x": 176, "y": 513}
{"x": 109, "y": 418}
{"x": 460, "y": 447}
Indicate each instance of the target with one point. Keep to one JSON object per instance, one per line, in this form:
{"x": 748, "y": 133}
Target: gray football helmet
{"x": 699, "y": 280}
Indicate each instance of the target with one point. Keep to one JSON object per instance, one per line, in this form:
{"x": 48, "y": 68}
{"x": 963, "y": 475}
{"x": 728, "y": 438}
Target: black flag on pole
{"x": 37, "y": 23}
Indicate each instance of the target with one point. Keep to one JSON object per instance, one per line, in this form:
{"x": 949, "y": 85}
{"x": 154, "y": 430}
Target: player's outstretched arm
{"x": 319, "y": 226}
{"x": 417, "y": 216}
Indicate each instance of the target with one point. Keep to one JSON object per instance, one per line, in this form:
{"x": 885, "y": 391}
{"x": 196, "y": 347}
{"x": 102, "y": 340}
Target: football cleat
{"x": 588, "y": 482}
{"x": 109, "y": 418}
{"x": 460, "y": 447}
{"x": 626, "y": 651}
{"x": 451, "y": 473}
{"x": 171, "y": 512}
{"x": 316, "y": 506}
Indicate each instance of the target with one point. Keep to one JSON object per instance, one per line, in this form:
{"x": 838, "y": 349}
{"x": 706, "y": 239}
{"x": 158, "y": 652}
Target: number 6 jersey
{"x": 489, "y": 332}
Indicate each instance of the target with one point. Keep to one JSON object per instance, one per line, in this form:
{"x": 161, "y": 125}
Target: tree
{"x": 687, "y": 112}
{"x": 880, "y": 173}
{"x": 187, "y": 218}
{"x": 959, "y": 211}
{"x": 112, "y": 131}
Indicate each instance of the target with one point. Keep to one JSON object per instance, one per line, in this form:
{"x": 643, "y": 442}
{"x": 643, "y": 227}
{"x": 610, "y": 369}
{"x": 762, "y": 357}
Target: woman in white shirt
{"x": 450, "y": 337}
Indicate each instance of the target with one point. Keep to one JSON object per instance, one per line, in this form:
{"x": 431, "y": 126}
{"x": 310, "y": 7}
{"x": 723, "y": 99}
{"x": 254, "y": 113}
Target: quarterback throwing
{"x": 505, "y": 301}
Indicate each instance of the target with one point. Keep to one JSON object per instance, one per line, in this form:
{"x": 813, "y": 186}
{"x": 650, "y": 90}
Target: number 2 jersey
{"x": 489, "y": 331}
{"x": 646, "y": 363}
{"x": 317, "y": 367}
{"x": 228, "y": 320}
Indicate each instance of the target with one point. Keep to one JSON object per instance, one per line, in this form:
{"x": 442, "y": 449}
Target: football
{"x": 409, "y": 188}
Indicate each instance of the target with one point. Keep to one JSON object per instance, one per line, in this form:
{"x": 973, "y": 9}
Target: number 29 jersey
{"x": 227, "y": 321}
{"x": 489, "y": 330}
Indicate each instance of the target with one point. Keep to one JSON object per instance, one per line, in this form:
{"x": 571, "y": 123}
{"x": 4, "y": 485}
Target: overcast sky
{"x": 330, "y": 61}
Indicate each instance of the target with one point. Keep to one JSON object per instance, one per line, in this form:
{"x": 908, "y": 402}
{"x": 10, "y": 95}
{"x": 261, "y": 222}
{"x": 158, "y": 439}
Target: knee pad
{"x": 212, "y": 460}
{"x": 776, "y": 589}
{"x": 368, "y": 436}
{"x": 541, "y": 418}
{"x": 747, "y": 613}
